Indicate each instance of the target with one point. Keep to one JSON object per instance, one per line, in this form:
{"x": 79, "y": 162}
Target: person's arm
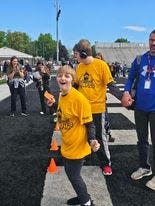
{"x": 45, "y": 76}
{"x": 126, "y": 98}
{"x": 15, "y": 71}
{"x": 91, "y": 136}
{"x": 131, "y": 76}
{"x": 114, "y": 90}
{"x": 90, "y": 131}
{"x": 21, "y": 72}
{"x": 10, "y": 74}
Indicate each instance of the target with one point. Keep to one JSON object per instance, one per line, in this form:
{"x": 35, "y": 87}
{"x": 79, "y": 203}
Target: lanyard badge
{"x": 150, "y": 70}
{"x": 147, "y": 84}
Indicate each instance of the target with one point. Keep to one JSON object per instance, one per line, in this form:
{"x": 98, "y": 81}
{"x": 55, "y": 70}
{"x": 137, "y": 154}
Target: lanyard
{"x": 150, "y": 68}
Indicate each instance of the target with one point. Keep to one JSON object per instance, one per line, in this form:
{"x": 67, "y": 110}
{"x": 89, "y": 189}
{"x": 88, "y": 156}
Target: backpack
{"x": 135, "y": 82}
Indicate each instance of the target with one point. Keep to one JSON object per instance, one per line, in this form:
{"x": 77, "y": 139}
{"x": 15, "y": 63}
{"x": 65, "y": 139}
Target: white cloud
{"x": 136, "y": 28}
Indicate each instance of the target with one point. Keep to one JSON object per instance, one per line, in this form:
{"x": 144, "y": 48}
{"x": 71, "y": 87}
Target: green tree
{"x": 63, "y": 52}
{"x": 46, "y": 46}
{"x": 122, "y": 40}
{"x": 33, "y": 49}
{"x": 2, "y": 38}
{"x": 19, "y": 41}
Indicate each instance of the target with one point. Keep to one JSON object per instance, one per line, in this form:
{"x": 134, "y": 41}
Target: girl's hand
{"x": 95, "y": 145}
{"x": 51, "y": 101}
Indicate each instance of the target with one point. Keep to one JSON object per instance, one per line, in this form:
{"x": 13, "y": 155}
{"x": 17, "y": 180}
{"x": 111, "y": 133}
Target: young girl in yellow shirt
{"x": 78, "y": 133}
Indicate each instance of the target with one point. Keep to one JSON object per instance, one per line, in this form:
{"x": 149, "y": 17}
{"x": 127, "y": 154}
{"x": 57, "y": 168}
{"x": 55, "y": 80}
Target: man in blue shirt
{"x": 144, "y": 108}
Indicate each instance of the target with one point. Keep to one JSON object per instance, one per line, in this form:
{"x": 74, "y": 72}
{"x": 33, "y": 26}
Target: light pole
{"x": 58, "y": 11}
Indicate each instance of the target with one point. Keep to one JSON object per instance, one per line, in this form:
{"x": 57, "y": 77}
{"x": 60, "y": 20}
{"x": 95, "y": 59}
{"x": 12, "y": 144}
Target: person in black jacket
{"x": 27, "y": 71}
{"x": 41, "y": 76}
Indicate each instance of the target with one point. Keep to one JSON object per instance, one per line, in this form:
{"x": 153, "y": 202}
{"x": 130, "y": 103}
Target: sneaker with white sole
{"x": 141, "y": 172}
{"x": 42, "y": 113}
{"x": 151, "y": 183}
{"x": 25, "y": 114}
{"x": 90, "y": 203}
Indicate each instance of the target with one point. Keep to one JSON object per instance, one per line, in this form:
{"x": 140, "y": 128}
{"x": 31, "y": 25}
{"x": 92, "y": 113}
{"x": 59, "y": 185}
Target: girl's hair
{"x": 67, "y": 69}
{"x": 11, "y": 60}
{"x": 99, "y": 56}
{"x": 39, "y": 63}
{"x": 83, "y": 45}
{"x": 47, "y": 71}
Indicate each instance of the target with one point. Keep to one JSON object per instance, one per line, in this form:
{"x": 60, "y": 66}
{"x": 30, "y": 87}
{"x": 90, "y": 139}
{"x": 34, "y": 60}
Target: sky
{"x": 95, "y": 20}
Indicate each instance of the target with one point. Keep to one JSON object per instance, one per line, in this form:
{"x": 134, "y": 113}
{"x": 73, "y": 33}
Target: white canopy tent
{"x": 7, "y": 53}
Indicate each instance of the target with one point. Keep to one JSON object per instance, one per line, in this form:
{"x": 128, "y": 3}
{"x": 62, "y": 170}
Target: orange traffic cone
{"x": 57, "y": 126}
{"x": 54, "y": 145}
{"x": 52, "y": 167}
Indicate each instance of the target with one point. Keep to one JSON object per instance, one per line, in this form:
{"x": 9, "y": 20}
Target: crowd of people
{"x": 82, "y": 110}
{"x": 18, "y": 75}
{"x": 117, "y": 69}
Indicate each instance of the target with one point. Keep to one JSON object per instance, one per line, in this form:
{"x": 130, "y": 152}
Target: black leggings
{"x": 73, "y": 170}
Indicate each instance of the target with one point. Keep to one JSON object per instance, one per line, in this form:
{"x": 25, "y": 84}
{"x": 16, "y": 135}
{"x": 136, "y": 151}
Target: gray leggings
{"x": 73, "y": 170}
{"x": 103, "y": 153}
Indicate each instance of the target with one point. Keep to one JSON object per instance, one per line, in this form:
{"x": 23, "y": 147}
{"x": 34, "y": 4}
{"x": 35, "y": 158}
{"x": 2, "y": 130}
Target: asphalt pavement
{"x": 54, "y": 190}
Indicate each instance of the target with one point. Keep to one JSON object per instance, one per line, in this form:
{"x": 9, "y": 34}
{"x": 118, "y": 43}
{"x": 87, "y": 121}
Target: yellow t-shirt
{"x": 73, "y": 111}
{"x": 92, "y": 80}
